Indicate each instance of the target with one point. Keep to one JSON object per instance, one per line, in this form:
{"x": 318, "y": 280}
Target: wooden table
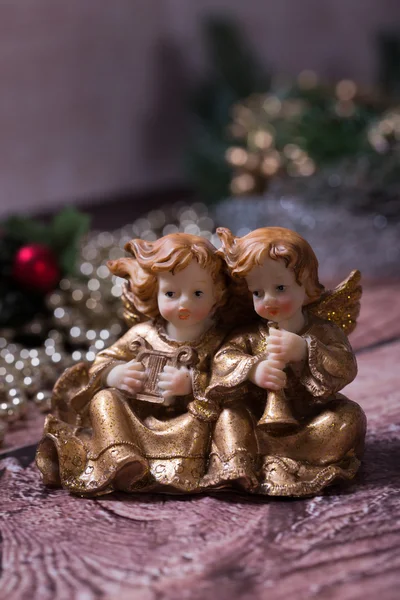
{"x": 344, "y": 544}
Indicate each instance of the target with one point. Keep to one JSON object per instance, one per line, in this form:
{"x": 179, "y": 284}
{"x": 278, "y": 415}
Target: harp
{"x": 154, "y": 362}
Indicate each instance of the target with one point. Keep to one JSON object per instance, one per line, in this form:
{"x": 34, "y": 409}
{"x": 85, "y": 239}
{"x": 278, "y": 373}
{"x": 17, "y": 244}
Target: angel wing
{"x": 341, "y": 305}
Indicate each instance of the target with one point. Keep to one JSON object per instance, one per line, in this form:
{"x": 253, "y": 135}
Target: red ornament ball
{"x": 36, "y": 268}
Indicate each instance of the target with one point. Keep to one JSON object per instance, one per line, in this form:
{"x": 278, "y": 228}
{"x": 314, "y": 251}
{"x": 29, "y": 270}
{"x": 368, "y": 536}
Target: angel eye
{"x": 280, "y": 288}
{"x": 257, "y": 294}
{"x": 170, "y": 294}
{"x": 198, "y": 293}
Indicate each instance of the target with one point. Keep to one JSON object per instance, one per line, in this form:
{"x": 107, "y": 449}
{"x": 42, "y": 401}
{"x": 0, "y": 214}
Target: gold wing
{"x": 341, "y": 305}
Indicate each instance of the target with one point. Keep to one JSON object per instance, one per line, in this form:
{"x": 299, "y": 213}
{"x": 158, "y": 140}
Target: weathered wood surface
{"x": 24, "y": 432}
{"x": 342, "y": 545}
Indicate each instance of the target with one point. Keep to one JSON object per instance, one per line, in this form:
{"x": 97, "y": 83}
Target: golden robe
{"x": 98, "y": 439}
{"x": 328, "y": 441}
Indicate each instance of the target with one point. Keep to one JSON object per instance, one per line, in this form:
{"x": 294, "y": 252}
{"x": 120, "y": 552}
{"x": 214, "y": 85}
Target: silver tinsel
{"x": 341, "y": 239}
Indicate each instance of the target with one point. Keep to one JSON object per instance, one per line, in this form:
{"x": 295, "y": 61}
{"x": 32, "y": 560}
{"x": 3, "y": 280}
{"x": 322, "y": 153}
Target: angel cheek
{"x": 282, "y": 309}
{"x": 168, "y": 310}
{"x": 287, "y": 307}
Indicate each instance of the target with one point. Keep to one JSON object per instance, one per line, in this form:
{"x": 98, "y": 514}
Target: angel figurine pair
{"x": 228, "y": 378}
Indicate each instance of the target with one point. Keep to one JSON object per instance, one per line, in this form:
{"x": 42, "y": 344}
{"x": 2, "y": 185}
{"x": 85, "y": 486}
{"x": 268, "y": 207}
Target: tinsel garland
{"x": 86, "y": 312}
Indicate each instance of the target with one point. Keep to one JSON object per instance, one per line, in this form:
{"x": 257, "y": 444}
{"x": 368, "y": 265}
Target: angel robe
{"x": 329, "y": 439}
{"x": 97, "y": 432}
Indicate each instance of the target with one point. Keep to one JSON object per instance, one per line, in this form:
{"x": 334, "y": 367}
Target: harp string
{"x": 155, "y": 366}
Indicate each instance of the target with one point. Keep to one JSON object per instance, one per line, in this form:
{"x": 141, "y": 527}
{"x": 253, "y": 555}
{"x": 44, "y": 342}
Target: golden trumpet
{"x": 277, "y": 416}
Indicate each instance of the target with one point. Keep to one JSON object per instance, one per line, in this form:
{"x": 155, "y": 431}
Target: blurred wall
{"x": 78, "y": 90}
{"x": 93, "y": 91}
{"x": 336, "y": 38}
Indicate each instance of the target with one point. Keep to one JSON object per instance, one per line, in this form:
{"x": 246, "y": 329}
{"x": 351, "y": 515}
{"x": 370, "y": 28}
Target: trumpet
{"x": 277, "y": 416}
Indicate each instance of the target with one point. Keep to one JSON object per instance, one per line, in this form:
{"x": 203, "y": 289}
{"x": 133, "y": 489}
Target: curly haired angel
{"x": 138, "y": 419}
{"x": 285, "y": 429}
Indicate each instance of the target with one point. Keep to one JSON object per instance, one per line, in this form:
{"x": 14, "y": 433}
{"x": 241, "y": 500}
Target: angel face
{"x": 276, "y": 294}
{"x": 186, "y": 298}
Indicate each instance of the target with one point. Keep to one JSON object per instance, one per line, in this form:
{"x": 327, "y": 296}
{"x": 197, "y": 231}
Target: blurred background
{"x": 141, "y": 118}
{"x": 96, "y": 96}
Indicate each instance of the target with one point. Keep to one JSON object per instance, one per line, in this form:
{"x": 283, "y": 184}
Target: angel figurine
{"x": 138, "y": 418}
{"x": 284, "y": 428}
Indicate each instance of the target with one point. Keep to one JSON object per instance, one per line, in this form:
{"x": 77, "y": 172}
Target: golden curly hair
{"x": 171, "y": 253}
{"x": 242, "y": 254}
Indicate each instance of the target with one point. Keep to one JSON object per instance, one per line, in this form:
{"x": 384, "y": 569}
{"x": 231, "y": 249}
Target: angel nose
{"x": 270, "y": 300}
{"x": 184, "y": 302}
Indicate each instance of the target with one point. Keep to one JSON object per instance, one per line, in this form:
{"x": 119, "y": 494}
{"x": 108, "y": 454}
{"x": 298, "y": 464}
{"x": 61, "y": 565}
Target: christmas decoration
{"x": 251, "y": 130}
{"x": 33, "y": 258}
{"x": 358, "y": 195}
{"x": 36, "y": 268}
{"x": 296, "y": 130}
{"x": 82, "y": 315}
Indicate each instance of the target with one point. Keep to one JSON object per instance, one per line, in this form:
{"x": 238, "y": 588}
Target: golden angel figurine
{"x": 138, "y": 418}
{"x": 284, "y": 428}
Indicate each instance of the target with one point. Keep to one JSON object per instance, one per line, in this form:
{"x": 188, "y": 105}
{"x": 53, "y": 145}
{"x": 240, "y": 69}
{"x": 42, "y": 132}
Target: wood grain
{"x": 342, "y": 545}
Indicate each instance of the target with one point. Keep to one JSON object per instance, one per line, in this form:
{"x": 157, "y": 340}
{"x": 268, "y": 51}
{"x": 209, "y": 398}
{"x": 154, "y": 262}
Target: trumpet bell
{"x": 277, "y": 417}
